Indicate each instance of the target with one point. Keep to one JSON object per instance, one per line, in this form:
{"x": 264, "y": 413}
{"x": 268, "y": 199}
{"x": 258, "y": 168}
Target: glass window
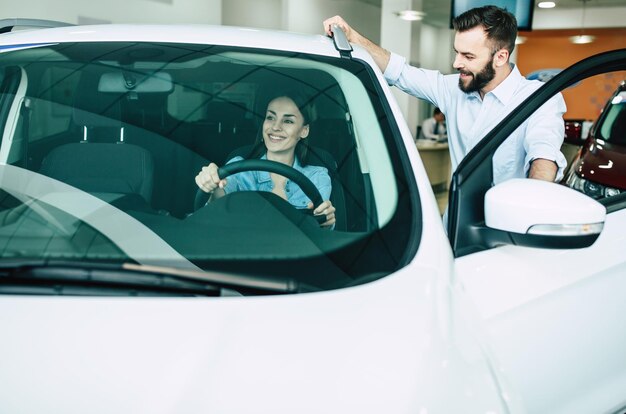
{"x": 597, "y": 168}
{"x": 613, "y": 126}
{"x": 132, "y": 124}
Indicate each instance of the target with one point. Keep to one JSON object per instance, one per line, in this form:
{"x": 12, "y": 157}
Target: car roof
{"x": 191, "y": 33}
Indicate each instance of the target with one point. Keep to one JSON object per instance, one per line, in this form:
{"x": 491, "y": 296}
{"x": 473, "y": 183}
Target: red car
{"x": 599, "y": 169}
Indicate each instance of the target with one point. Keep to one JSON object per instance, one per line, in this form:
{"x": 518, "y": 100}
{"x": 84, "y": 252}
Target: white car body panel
{"x": 552, "y": 308}
{"x": 349, "y": 350}
{"x": 484, "y": 333}
{"x": 222, "y": 35}
{"x": 184, "y": 356}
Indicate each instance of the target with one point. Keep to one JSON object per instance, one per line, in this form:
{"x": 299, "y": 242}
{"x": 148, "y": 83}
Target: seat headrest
{"x": 102, "y": 168}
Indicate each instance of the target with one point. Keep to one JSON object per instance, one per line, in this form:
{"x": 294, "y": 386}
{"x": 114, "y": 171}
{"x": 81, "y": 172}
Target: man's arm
{"x": 544, "y": 137}
{"x": 380, "y": 55}
{"x": 542, "y": 169}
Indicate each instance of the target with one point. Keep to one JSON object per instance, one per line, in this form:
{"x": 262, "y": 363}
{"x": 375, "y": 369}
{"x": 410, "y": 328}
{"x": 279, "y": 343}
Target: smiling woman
{"x": 281, "y": 139}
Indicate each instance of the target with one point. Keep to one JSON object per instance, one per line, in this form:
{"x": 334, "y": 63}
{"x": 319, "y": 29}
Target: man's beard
{"x": 480, "y": 80}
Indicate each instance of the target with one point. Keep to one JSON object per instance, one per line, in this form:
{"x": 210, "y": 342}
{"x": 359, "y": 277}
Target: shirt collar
{"x": 505, "y": 91}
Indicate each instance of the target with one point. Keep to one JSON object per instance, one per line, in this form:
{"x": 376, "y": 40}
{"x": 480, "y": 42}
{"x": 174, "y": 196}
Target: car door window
{"x": 474, "y": 176}
{"x": 598, "y": 168}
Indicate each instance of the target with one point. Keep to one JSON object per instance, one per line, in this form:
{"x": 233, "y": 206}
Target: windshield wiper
{"x": 230, "y": 280}
{"x": 92, "y": 278}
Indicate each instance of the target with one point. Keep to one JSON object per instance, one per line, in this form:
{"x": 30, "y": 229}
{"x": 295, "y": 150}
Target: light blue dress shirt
{"x": 261, "y": 181}
{"x": 469, "y": 118}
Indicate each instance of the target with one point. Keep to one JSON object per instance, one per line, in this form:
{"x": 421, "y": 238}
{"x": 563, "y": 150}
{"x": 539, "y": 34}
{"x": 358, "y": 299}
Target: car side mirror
{"x": 538, "y": 213}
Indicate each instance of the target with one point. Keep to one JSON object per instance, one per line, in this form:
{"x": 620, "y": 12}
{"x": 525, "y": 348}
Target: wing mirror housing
{"x": 538, "y": 213}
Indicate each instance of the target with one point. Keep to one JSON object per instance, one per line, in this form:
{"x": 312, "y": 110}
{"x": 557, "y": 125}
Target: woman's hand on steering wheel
{"x": 208, "y": 179}
{"x": 325, "y": 209}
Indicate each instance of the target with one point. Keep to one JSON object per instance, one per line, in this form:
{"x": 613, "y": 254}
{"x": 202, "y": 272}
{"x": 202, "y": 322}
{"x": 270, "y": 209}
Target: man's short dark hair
{"x": 436, "y": 111}
{"x": 499, "y": 24}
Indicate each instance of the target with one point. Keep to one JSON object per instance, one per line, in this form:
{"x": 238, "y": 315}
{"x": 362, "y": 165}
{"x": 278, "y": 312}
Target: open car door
{"x": 545, "y": 266}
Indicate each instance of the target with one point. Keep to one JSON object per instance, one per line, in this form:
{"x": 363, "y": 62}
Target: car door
{"x": 554, "y": 316}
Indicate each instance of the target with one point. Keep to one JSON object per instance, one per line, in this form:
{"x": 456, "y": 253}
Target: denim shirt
{"x": 469, "y": 118}
{"x": 261, "y": 181}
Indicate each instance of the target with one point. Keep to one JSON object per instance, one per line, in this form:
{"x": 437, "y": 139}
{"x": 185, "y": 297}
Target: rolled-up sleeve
{"x": 545, "y": 133}
{"x": 394, "y": 68}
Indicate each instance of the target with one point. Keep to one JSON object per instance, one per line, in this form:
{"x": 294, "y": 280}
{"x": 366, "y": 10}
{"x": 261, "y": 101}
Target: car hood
{"x": 388, "y": 346}
{"x": 604, "y": 163}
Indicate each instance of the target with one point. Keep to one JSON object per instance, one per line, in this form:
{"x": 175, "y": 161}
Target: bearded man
{"x": 486, "y": 88}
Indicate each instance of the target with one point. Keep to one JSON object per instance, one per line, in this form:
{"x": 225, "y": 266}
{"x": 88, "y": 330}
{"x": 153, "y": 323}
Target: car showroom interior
{"x": 552, "y": 36}
{"x": 313, "y": 206}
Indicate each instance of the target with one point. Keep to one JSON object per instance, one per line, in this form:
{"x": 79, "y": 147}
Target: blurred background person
{"x": 434, "y": 128}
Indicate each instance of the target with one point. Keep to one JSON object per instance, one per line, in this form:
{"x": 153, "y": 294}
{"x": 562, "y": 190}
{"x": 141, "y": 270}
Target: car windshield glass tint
{"x": 131, "y": 125}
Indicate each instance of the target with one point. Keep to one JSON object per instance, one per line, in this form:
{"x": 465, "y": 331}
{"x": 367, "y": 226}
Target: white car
{"x": 123, "y": 291}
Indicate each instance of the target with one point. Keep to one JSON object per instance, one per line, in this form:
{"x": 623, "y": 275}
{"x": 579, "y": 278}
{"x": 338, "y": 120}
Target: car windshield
{"x": 101, "y": 143}
{"x": 613, "y": 126}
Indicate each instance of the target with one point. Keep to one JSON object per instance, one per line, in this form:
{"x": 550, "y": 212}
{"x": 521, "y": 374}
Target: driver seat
{"x": 318, "y": 157}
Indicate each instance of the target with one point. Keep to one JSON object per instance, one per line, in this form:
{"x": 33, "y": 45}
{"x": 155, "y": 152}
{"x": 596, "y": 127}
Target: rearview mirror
{"x": 538, "y": 213}
{"x": 122, "y": 82}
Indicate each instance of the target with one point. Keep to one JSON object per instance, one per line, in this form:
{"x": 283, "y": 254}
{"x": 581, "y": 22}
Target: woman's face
{"x": 283, "y": 126}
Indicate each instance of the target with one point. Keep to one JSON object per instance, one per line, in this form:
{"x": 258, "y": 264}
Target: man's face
{"x": 474, "y": 60}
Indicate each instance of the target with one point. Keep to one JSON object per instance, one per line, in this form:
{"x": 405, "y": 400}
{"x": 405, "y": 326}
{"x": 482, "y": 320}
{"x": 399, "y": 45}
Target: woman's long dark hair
{"x": 304, "y": 105}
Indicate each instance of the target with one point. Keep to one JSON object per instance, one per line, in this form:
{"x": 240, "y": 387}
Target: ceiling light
{"x": 410, "y": 15}
{"x": 582, "y": 39}
{"x": 546, "y": 4}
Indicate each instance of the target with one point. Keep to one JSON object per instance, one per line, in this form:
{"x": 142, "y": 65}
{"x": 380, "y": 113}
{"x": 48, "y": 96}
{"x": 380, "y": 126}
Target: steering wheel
{"x": 309, "y": 189}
